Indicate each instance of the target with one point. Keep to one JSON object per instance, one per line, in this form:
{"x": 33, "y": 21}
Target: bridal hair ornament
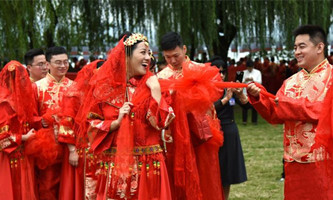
{"x": 134, "y": 38}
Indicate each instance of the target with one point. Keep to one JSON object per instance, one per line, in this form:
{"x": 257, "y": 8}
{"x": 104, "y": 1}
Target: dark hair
{"x": 170, "y": 41}
{"x": 126, "y": 33}
{"x": 219, "y": 63}
{"x": 52, "y": 51}
{"x": 152, "y": 60}
{"x": 100, "y": 63}
{"x": 29, "y": 56}
{"x": 249, "y": 63}
{"x": 316, "y": 33}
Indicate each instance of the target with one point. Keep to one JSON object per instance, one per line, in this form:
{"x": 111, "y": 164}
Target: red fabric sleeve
{"x": 37, "y": 118}
{"x": 305, "y": 110}
{"x": 66, "y": 133}
{"x": 10, "y": 138}
{"x": 160, "y": 115}
{"x": 287, "y": 109}
{"x": 98, "y": 130}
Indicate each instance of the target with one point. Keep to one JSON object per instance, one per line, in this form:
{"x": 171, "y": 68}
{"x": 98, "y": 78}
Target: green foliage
{"x": 29, "y": 24}
{"x": 263, "y": 151}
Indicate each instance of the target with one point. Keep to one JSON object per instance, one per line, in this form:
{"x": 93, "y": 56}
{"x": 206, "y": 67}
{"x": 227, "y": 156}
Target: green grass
{"x": 263, "y": 150}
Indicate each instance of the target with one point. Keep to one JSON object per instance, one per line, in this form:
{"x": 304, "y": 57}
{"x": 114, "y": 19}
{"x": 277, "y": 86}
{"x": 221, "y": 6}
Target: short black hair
{"x": 52, "y": 51}
{"x": 316, "y": 33}
{"x": 170, "y": 41}
{"x": 249, "y": 63}
{"x": 29, "y": 56}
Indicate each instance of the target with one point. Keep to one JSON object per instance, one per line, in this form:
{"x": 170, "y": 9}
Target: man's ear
{"x": 29, "y": 67}
{"x": 184, "y": 49}
{"x": 320, "y": 48}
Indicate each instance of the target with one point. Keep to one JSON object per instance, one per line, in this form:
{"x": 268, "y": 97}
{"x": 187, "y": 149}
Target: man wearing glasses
{"x": 36, "y": 64}
{"x": 50, "y": 91}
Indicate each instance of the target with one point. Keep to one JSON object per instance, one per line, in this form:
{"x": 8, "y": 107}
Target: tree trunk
{"x": 222, "y": 46}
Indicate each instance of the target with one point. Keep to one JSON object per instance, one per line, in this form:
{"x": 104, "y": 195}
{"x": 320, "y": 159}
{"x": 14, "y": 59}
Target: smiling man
{"x": 50, "y": 91}
{"x": 298, "y": 105}
{"x": 36, "y": 64}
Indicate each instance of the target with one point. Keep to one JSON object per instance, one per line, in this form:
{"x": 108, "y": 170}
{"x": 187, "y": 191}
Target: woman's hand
{"x": 28, "y": 135}
{"x": 124, "y": 110}
{"x": 227, "y": 97}
{"x": 152, "y": 83}
{"x": 155, "y": 88}
{"x": 229, "y": 94}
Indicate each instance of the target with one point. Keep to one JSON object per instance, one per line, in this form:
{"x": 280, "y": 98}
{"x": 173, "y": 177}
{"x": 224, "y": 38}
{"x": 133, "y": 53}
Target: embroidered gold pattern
{"x": 300, "y": 136}
{"x": 4, "y": 129}
{"x": 144, "y": 150}
{"x": 67, "y": 131}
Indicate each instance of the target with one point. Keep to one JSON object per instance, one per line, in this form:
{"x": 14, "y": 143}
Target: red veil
{"x": 17, "y": 102}
{"x": 107, "y": 84}
{"x": 73, "y": 100}
{"x": 16, "y": 89}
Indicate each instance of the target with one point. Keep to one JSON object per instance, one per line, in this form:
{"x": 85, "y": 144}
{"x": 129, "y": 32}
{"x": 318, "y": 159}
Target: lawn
{"x": 263, "y": 151}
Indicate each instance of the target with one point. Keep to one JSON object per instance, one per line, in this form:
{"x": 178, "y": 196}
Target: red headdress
{"x": 16, "y": 89}
{"x": 110, "y": 82}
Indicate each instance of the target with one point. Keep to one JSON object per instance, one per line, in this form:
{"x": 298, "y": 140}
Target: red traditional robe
{"x": 17, "y": 172}
{"x": 49, "y": 95}
{"x": 149, "y": 177}
{"x": 193, "y": 177}
{"x": 298, "y": 108}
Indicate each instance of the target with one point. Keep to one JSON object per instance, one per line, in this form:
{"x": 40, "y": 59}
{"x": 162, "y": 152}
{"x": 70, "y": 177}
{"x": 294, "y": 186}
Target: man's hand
{"x": 44, "y": 124}
{"x": 253, "y": 90}
{"x": 73, "y": 158}
{"x": 249, "y": 79}
{"x": 73, "y": 155}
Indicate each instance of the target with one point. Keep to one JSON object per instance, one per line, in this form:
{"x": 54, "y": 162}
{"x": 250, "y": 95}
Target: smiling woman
{"x": 126, "y": 112}
{"x": 139, "y": 59}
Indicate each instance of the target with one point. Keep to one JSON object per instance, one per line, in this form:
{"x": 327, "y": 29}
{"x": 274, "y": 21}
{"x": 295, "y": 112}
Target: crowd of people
{"x": 120, "y": 131}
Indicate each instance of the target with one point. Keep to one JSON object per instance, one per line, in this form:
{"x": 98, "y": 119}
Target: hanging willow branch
{"x": 38, "y": 23}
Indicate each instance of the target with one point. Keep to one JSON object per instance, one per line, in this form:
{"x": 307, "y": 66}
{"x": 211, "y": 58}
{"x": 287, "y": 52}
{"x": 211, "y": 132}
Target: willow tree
{"x": 215, "y": 23}
{"x": 267, "y": 21}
